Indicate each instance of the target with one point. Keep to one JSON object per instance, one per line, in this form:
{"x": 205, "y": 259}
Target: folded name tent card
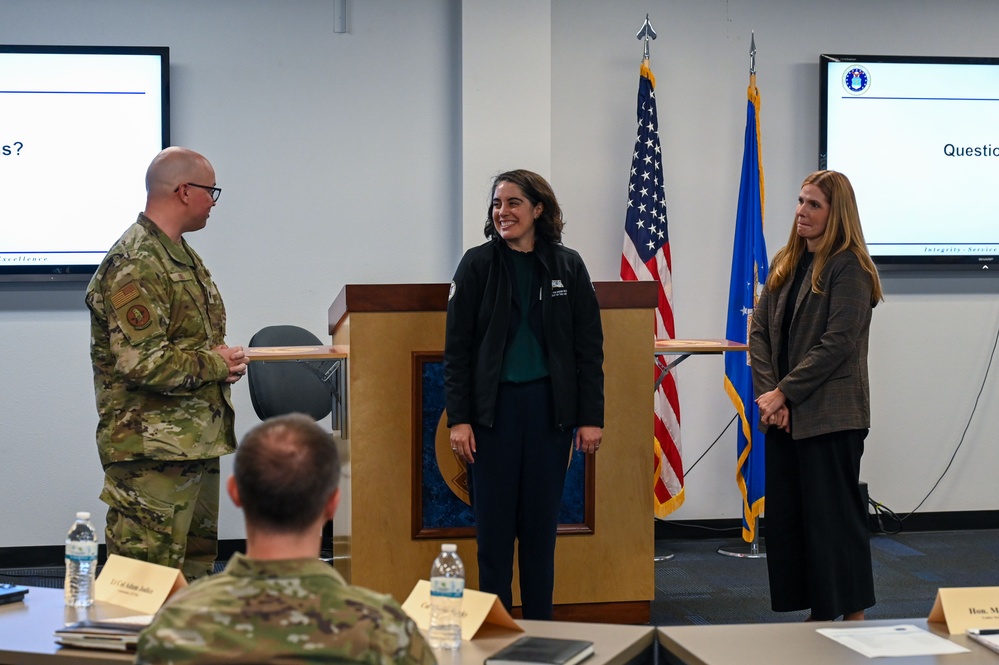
{"x": 138, "y": 585}
{"x": 542, "y": 651}
{"x": 477, "y": 609}
{"x": 961, "y": 608}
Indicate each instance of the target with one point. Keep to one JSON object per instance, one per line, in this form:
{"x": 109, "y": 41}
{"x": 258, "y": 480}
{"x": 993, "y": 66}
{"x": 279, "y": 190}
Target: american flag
{"x": 646, "y": 258}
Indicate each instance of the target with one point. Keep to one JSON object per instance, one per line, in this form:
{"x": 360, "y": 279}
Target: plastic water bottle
{"x": 81, "y": 562}
{"x": 447, "y": 586}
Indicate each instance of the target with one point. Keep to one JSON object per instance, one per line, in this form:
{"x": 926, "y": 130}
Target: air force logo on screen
{"x": 856, "y": 80}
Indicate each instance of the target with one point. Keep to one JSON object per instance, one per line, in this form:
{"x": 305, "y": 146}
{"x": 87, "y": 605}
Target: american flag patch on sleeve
{"x": 124, "y": 295}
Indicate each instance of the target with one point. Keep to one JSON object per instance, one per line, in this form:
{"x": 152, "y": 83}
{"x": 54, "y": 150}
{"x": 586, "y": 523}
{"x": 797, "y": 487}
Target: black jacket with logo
{"x": 482, "y": 317}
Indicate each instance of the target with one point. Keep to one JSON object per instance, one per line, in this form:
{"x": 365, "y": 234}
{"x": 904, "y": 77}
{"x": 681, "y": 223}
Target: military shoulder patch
{"x": 134, "y": 312}
{"x": 138, "y": 316}
{"x": 124, "y": 295}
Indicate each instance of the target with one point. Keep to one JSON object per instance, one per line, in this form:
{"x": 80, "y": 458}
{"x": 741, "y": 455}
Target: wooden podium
{"x": 604, "y": 575}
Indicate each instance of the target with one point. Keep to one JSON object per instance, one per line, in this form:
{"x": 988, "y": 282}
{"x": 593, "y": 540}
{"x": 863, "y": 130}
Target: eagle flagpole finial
{"x": 647, "y": 32}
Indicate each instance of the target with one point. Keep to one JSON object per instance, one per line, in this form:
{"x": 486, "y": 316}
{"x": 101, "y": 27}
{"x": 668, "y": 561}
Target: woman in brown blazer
{"x": 808, "y": 346}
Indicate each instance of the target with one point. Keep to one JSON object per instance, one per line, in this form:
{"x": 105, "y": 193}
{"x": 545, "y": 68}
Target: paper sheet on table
{"x": 892, "y": 641}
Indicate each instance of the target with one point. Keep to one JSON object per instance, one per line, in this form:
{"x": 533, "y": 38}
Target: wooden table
{"x": 684, "y": 348}
{"x": 328, "y": 362}
{"x": 296, "y": 353}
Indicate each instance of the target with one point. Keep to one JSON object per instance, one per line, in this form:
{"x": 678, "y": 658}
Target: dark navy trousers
{"x": 516, "y": 490}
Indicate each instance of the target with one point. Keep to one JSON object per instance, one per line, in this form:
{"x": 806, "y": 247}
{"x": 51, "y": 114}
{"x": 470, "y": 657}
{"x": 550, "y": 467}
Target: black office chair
{"x": 280, "y": 387}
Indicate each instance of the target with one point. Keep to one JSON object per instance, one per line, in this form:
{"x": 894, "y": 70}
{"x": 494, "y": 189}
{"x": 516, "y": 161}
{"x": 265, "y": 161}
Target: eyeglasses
{"x": 215, "y": 192}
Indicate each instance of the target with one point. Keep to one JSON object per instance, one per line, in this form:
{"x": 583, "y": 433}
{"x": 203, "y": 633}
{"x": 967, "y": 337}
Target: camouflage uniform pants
{"x": 164, "y": 512}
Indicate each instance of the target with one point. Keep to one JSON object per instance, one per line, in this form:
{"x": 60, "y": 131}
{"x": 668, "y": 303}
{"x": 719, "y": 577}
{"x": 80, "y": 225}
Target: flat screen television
{"x": 78, "y": 127}
{"x": 919, "y": 139}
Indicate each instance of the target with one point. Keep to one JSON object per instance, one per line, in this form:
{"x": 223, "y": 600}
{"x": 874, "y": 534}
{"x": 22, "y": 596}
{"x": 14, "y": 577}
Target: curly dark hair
{"x": 548, "y": 226}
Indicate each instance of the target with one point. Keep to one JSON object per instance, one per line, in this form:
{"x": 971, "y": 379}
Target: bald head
{"x": 175, "y": 166}
{"x": 172, "y": 206}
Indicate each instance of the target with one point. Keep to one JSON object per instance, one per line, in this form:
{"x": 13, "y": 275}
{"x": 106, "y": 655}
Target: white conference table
{"x": 794, "y": 643}
{"x": 613, "y": 644}
{"x": 26, "y": 630}
{"x": 26, "y": 636}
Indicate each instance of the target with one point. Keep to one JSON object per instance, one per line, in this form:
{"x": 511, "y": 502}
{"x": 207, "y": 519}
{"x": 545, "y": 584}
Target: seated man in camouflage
{"x": 280, "y": 602}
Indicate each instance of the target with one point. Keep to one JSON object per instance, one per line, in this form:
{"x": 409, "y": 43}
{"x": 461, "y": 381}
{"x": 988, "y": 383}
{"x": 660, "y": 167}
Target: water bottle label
{"x": 81, "y": 550}
{"x": 450, "y": 587}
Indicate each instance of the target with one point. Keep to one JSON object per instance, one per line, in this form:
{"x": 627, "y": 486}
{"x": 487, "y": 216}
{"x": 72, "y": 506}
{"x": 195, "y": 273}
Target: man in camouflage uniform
{"x": 280, "y": 602}
{"x": 161, "y": 374}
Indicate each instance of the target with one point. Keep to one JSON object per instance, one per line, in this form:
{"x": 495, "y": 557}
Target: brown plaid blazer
{"x": 827, "y": 387}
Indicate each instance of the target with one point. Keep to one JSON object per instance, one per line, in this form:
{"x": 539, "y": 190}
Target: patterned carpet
{"x": 700, "y": 586}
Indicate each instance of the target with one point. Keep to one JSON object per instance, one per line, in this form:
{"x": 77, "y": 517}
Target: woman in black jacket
{"x": 523, "y": 371}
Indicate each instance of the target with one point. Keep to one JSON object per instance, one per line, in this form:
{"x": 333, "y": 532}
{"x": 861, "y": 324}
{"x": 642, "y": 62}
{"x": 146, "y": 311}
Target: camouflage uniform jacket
{"x": 293, "y": 611}
{"x": 155, "y": 316}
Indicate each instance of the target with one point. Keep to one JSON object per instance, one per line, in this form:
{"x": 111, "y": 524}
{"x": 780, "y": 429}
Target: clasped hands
{"x": 588, "y": 439}
{"x": 235, "y": 360}
{"x": 773, "y": 409}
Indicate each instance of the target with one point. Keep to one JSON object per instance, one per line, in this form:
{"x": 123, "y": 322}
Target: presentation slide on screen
{"x": 920, "y": 143}
{"x": 77, "y": 132}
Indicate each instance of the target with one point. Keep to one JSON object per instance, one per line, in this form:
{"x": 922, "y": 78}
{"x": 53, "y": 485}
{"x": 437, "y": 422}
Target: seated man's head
{"x": 285, "y": 476}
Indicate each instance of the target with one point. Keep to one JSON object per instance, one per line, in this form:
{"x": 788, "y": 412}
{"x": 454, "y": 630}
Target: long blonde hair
{"x": 842, "y": 233}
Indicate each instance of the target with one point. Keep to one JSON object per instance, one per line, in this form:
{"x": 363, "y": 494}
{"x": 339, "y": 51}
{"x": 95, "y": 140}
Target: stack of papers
{"x": 989, "y": 637}
{"x": 120, "y": 634}
{"x": 881, "y": 641}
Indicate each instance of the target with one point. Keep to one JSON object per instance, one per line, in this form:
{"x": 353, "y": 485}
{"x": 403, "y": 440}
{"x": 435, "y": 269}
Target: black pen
{"x": 984, "y": 631}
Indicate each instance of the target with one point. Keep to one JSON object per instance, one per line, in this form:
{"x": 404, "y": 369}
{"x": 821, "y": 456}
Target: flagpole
{"x": 647, "y": 32}
{"x": 754, "y": 550}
